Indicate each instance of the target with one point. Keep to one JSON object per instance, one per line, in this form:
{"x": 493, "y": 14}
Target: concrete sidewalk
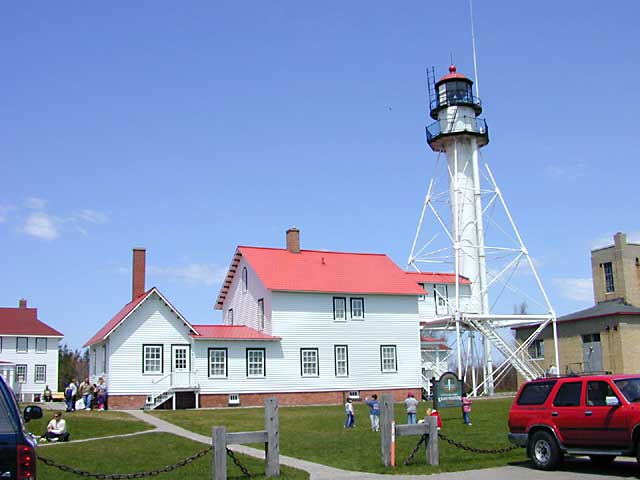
{"x": 322, "y": 472}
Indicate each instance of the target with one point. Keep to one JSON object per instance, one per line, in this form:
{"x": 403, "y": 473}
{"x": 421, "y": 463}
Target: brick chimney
{"x": 293, "y": 240}
{"x": 22, "y": 303}
{"x": 139, "y": 260}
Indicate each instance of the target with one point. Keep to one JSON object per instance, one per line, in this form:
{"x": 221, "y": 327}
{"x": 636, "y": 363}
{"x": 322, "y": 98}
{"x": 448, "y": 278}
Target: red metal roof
{"x": 230, "y": 332}
{"x": 24, "y": 321}
{"x": 441, "y": 343}
{"x": 451, "y": 75}
{"x": 322, "y": 271}
{"x": 435, "y": 277}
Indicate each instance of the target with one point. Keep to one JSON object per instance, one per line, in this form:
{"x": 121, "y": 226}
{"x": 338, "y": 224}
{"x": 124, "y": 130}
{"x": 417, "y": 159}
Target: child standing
{"x": 351, "y": 416}
{"x": 374, "y": 412}
{"x": 466, "y": 409}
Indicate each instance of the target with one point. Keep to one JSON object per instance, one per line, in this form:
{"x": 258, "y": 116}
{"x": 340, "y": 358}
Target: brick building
{"x": 602, "y": 338}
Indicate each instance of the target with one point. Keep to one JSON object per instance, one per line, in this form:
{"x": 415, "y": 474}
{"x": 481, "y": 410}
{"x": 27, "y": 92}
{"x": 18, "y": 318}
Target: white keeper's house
{"x": 28, "y": 351}
{"x": 306, "y": 326}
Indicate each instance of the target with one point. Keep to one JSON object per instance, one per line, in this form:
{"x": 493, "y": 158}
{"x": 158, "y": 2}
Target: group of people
{"x": 84, "y": 396}
{"x": 410, "y": 403}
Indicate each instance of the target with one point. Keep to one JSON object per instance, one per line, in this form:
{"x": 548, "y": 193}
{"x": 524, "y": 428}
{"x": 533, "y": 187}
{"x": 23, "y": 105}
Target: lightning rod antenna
{"x": 473, "y": 43}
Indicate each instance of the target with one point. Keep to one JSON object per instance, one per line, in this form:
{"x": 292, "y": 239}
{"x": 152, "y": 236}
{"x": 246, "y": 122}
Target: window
{"x": 21, "y": 373}
{"x": 536, "y": 349}
{"x": 230, "y": 316}
{"x": 341, "y": 354}
{"x": 218, "y": 362}
{"x": 630, "y": 388}
{"x": 309, "y": 362}
{"x": 440, "y": 297}
{"x": 104, "y": 359}
{"x": 0, "y": 344}
{"x": 535, "y": 393}
{"x": 41, "y": 345}
{"x": 357, "y": 308}
{"x": 152, "y": 359}
{"x": 93, "y": 361}
{"x": 339, "y": 308}
{"x": 591, "y": 337}
{"x": 244, "y": 279}
{"x": 261, "y": 314}
{"x": 423, "y": 296}
{"x": 597, "y": 393}
{"x": 568, "y": 395}
{"x": 255, "y": 362}
{"x": 40, "y": 374}
{"x": 608, "y": 277}
{"x": 388, "y": 360}
{"x": 22, "y": 344}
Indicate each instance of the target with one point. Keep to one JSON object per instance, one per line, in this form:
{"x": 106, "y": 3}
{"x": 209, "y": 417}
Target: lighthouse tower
{"x": 458, "y": 134}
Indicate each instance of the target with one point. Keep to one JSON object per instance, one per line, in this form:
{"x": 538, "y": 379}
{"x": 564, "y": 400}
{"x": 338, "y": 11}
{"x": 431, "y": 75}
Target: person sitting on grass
{"x": 57, "y": 429}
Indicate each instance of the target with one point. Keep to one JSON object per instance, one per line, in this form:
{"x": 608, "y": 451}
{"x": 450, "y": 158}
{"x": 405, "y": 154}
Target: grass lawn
{"x": 85, "y": 424}
{"x": 317, "y": 434}
{"x": 144, "y": 452}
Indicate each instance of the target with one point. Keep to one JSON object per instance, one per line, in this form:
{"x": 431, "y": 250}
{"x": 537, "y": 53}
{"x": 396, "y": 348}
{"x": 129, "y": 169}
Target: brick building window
{"x": 608, "y": 277}
{"x": 536, "y": 349}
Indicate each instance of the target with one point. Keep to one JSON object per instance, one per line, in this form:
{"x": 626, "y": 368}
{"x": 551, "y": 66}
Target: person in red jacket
{"x": 434, "y": 413}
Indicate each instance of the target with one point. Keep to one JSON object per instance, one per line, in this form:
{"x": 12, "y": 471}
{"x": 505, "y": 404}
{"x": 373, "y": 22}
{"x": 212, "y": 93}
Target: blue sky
{"x": 189, "y": 128}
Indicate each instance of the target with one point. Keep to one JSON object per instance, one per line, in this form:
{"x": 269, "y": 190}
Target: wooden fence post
{"x": 432, "y": 443}
{"x": 272, "y": 447}
{"x": 387, "y": 415}
{"x": 219, "y": 461}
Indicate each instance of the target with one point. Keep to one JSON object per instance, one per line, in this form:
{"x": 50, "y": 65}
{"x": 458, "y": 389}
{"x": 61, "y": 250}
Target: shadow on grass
{"x": 623, "y": 467}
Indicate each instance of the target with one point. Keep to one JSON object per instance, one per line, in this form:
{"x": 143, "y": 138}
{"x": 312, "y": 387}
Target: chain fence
{"x": 144, "y": 474}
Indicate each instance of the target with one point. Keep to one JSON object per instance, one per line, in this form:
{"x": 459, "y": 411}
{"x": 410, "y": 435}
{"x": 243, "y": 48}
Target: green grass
{"x": 144, "y": 452}
{"x": 317, "y": 434}
{"x": 85, "y": 424}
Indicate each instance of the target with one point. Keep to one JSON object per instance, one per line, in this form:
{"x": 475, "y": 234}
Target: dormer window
{"x": 230, "y": 316}
{"x": 244, "y": 280}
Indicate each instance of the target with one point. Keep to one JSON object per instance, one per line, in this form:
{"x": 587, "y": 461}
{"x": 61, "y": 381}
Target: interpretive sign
{"x": 447, "y": 391}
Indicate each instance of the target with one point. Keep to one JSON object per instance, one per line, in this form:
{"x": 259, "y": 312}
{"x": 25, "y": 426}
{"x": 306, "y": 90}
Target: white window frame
{"x": 353, "y": 300}
{"x": 43, "y": 372}
{"x": 22, "y": 367}
{"x": 261, "y": 314}
{"x": 245, "y": 280}
{"x": 341, "y": 364}
{"x": 26, "y": 344}
{"x": 230, "y": 316}
{"x": 309, "y": 362}
{"x": 336, "y": 317}
{"x": 146, "y": 359}
{"x": 388, "y": 359}
{"x": 256, "y": 363}
{"x": 39, "y": 340}
{"x": 224, "y": 364}
{"x": 93, "y": 360}
{"x": 104, "y": 359}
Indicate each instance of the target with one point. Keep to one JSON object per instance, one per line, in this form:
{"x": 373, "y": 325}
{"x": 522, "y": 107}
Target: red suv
{"x": 594, "y": 415}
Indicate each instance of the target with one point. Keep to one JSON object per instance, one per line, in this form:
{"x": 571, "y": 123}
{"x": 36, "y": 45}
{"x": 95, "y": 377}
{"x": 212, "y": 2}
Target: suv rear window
{"x": 535, "y": 393}
{"x": 568, "y": 395}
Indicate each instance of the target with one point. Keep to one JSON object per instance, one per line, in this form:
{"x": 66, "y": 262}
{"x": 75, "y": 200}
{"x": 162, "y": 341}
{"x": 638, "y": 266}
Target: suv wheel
{"x": 544, "y": 450}
{"x": 602, "y": 460}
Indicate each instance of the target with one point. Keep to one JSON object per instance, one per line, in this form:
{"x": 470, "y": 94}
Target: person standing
{"x": 70, "y": 395}
{"x": 85, "y": 390}
{"x": 101, "y": 393}
{"x": 411, "y": 403}
{"x": 351, "y": 417}
{"x": 374, "y": 412}
{"x": 466, "y": 409}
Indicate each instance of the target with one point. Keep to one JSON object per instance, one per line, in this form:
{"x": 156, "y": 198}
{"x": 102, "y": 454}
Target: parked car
{"x": 17, "y": 446}
{"x": 594, "y": 415}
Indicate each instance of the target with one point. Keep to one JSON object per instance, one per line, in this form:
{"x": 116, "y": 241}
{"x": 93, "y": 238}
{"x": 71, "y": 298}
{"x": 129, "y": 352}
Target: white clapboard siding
{"x": 305, "y": 320}
{"x": 245, "y": 304}
{"x": 151, "y": 323}
{"x": 32, "y": 358}
{"x": 427, "y": 306}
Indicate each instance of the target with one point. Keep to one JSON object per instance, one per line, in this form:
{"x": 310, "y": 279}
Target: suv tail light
{"x": 26, "y": 462}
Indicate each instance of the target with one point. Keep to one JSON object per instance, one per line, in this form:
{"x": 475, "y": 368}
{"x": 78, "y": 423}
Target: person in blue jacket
{"x": 374, "y": 412}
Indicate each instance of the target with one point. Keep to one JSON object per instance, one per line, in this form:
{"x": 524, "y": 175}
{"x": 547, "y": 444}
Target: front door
{"x": 592, "y": 352}
{"x": 180, "y": 358}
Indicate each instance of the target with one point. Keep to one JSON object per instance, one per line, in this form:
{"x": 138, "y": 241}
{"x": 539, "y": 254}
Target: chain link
{"x": 124, "y": 476}
{"x": 238, "y": 464}
{"x": 491, "y": 451}
{"x": 422, "y": 440}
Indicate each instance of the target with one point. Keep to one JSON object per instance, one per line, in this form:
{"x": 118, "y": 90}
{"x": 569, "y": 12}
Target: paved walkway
{"x": 581, "y": 470}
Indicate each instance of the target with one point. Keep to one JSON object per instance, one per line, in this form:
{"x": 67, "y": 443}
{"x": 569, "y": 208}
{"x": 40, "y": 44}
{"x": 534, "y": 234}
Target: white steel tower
{"x": 459, "y": 134}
